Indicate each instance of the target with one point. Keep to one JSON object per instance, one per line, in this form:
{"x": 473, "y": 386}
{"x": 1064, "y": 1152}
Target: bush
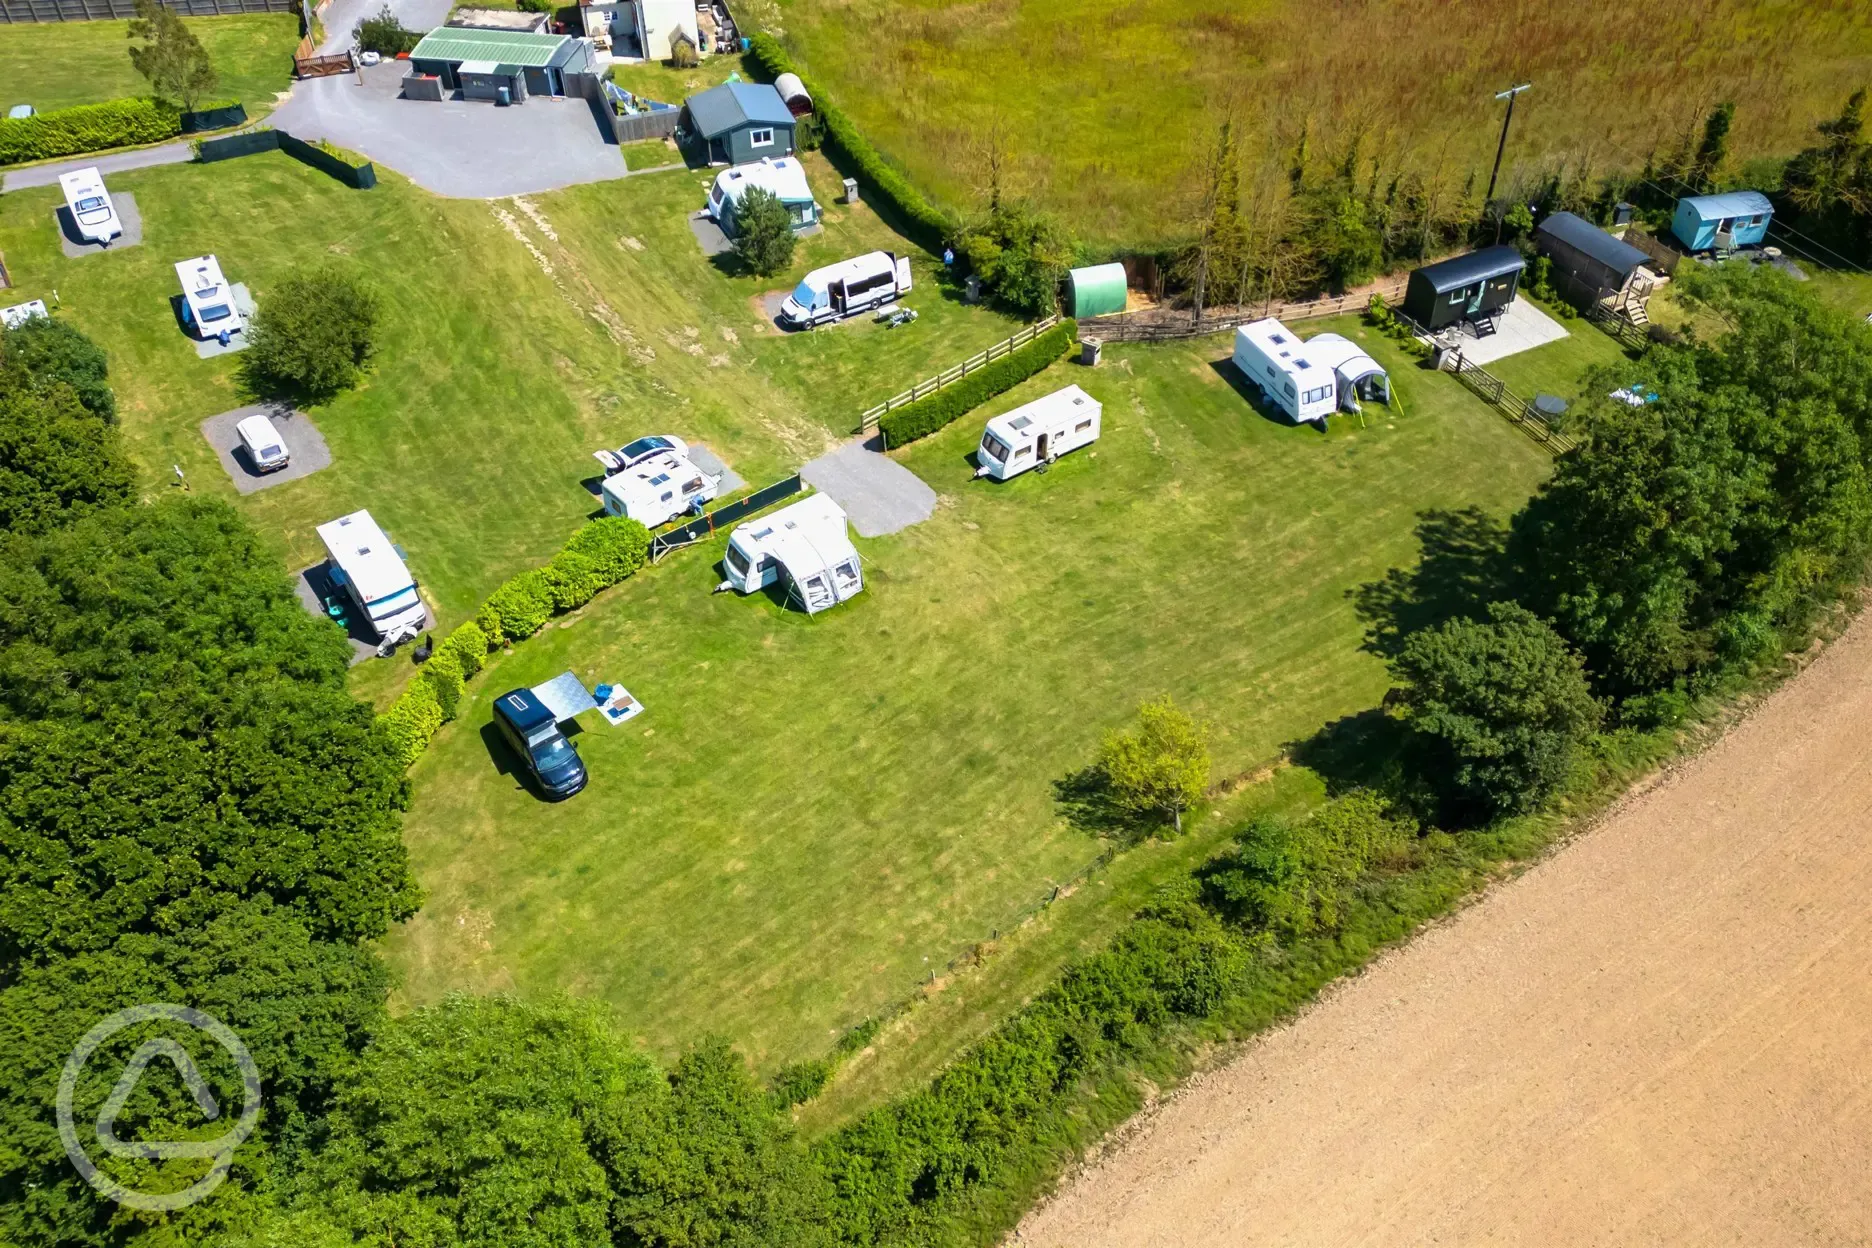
{"x": 313, "y": 333}
{"x": 887, "y": 189}
{"x": 468, "y": 646}
{"x": 1291, "y": 878}
{"x": 926, "y": 416}
{"x": 53, "y": 351}
{"x": 1021, "y": 256}
{"x": 385, "y": 35}
{"x": 517, "y": 609}
{"x": 88, "y": 128}
{"x": 799, "y": 1082}
{"x": 764, "y": 238}
{"x": 617, "y": 546}
{"x": 1162, "y": 767}
{"x": 571, "y": 579}
{"x": 412, "y": 720}
{"x": 444, "y": 673}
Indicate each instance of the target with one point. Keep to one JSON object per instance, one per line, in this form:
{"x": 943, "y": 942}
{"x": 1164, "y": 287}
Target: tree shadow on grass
{"x": 1366, "y": 750}
{"x": 1085, "y": 801}
{"x": 1463, "y": 568}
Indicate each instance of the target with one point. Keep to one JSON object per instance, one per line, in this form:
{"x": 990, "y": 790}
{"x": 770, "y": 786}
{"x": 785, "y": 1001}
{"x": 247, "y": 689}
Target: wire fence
{"x": 1137, "y": 327}
{"x": 949, "y": 376}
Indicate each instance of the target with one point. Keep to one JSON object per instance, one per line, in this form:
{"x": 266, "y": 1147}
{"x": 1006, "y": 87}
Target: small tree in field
{"x": 1160, "y": 767}
{"x": 313, "y": 332}
{"x": 173, "y": 59}
{"x": 765, "y": 238}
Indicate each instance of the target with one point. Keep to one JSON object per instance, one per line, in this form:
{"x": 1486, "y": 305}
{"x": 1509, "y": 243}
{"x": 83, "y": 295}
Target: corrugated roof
{"x": 1478, "y": 266}
{"x": 503, "y": 47}
{"x": 1733, "y": 204}
{"x": 735, "y": 104}
{"x": 1585, "y": 237}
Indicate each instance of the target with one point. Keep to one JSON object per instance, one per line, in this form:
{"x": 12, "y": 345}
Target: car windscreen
{"x": 389, "y": 603}
{"x": 807, "y": 295}
{"x": 91, "y": 203}
{"x": 550, "y": 752}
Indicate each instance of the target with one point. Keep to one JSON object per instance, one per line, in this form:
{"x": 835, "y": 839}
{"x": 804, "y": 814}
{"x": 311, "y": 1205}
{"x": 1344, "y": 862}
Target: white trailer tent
{"x": 1272, "y": 357}
{"x": 656, "y": 490}
{"x": 1035, "y": 434}
{"x": 1359, "y": 376}
{"x": 784, "y": 179}
{"x": 805, "y": 547}
{"x": 93, "y": 215}
{"x": 371, "y": 573}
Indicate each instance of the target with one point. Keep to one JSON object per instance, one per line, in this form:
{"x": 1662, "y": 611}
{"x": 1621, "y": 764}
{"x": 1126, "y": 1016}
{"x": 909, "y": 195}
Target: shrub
{"x": 887, "y": 188}
{"x": 617, "y": 546}
{"x": 88, "y": 128}
{"x": 1021, "y": 256}
{"x": 926, "y": 416}
{"x": 799, "y": 1082}
{"x": 53, "y": 351}
{"x": 313, "y": 333}
{"x": 517, "y": 609}
{"x": 385, "y": 35}
{"x": 468, "y": 646}
{"x": 571, "y": 579}
{"x": 1291, "y": 878}
{"x": 412, "y": 720}
{"x": 764, "y": 236}
{"x": 444, "y": 673}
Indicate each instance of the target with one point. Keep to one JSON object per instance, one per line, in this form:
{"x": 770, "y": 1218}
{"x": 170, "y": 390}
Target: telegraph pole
{"x": 1508, "y": 95}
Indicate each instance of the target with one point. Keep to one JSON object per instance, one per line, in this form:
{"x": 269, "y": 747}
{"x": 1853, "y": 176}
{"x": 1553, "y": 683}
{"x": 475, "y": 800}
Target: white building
{"x": 371, "y": 572}
{"x": 640, "y": 29}
{"x": 1037, "y": 433}
{"x": 804, "y": 547}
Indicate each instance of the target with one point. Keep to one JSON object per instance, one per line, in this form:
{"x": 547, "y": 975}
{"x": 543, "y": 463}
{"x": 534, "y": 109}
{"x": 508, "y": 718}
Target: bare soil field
{"x": 1661, "y": 1035}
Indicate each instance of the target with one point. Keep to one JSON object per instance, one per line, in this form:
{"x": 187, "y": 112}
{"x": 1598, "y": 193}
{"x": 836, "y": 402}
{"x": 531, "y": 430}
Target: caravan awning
{"x": 1343, "y": 356}
{"x": 565, "y": 696}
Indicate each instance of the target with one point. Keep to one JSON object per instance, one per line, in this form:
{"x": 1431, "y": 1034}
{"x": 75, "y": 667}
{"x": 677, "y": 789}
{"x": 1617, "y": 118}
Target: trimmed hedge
{"x": 924, "y": 223}
{"x": 926, "y": 416}
{"x": 88, "y": 128}
{"x": 599, "y": 555}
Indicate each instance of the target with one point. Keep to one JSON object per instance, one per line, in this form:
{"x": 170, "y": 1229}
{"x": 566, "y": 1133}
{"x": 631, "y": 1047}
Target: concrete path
{"x": 143, "y": 158}
{"x": 1522, "y": 328}
{"x": 879, "y": 494}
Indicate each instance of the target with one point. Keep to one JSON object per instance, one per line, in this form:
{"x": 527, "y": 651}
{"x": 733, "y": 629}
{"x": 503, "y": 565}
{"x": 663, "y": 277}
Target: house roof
{"x": 784, "y": 178}
{"x": 735, "y": 104}
{"x": 1733, "y": 204}
{"x": 1588, "y": 239}
{"x": 1478, "y": 266}
{"x": 503, "y": 47}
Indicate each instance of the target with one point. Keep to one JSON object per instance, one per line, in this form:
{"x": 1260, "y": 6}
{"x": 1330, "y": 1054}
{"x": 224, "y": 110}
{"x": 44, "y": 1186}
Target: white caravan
{"x": 804, "y": 547}
{"x": 1037, "y": 433}
{"x": 90, "y": 205}
{"x": 839, "y": 290}
{"x": 657, "y": 489}
{"x": 1272, "y": 357}
{"x": 207, "y": 300}
{"x": 371, "y": 572}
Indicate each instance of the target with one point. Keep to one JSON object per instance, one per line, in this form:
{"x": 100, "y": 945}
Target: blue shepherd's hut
{"x": 1720, "y": 222}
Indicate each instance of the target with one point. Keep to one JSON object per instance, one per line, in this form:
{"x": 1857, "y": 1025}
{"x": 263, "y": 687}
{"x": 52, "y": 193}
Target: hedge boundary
{"x": 602, "y": 554}
{"x": 926, "y": 416}
{"x": 88, "y": 128}
{"x": 924, "y": 223}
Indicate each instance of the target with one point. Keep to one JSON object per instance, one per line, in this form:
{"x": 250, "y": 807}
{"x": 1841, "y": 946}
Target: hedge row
{"x": 599, "y": 555}
{"x": 88, "y": 128}
{"x": 926, "y": 416}
{"x": 923, "y": 222}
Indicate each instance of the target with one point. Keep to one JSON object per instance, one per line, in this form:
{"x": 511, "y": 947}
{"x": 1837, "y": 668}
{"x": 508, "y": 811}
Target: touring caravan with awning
{"x": 208, "y": 305}
{"x": 841, "y": 289}
{"x": 371, "y": 572}
{"x": 1311, "y": 380}
{"x": 804, "y": 547}
{"x": 1037, "y": 433}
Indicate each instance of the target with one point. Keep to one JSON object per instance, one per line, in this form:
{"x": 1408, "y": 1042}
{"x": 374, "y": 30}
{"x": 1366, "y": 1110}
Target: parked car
{"x": 93, "y": 214}
{"x": 850, "y": 286}
{"x": 634, "y": 453}
{"x": 532, "y": 732}
{"x": 266, "y": 450}
{"x": 207, "y": 299}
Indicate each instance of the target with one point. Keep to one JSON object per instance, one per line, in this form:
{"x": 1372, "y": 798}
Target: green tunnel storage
{"x": 1097, "y": 289}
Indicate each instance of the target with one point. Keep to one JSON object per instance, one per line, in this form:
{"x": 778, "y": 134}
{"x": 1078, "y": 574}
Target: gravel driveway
{"x": 879, "y": 494}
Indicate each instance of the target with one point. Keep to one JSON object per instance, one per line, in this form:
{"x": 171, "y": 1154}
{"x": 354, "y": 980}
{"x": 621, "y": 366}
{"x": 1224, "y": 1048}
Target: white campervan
{"x": 839, "y": 290}
{"x": 207, "y": 300}
{"x": 1037, "y": 433}
{"x": 90, "y": 206}
{"x": 657, "y": 489}
{"x": 1272, "y": 357}
{"x": 804, "y": 547}
{"x": 371, "y": 573}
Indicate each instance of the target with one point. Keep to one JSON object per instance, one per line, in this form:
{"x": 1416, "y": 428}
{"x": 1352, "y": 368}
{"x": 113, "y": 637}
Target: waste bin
{"x": 504, "y": 96}
{"x": 851, "y": 190}
{"x": 1089, "y": 350}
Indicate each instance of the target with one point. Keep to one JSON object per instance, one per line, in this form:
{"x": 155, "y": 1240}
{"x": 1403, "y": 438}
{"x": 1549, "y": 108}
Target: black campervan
{"x": 533, "y": 733}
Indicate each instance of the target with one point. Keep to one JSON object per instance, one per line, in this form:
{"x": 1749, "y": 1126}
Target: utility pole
{"x": 1501, "y": 147}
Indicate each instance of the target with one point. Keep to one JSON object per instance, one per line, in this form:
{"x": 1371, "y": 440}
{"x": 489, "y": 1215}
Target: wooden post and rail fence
{"x": 1138, "y": 327}
{"x": 923, "y": 389}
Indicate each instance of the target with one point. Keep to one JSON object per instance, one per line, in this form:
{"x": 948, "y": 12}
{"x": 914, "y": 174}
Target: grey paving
{"x": 314, "y": 588}
{"x": 879, "y": 494}
{"x": 129, "y": 217}
{"x": 1522, "y": 328}
{"x": 144, "y": 158}
{"x": 707, "y": 233}
{"x": 454, "y": 148}
{"x": 711, "y": 463}
{"x": 342, "y": 17}
{"x": 209, "y": 348}
{"x": 303, "y": 440}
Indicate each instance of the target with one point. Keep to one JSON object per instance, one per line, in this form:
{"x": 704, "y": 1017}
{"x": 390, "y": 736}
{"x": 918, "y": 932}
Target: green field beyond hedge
{"x": 816, "y": 812}
{"x": 58, "y": 64}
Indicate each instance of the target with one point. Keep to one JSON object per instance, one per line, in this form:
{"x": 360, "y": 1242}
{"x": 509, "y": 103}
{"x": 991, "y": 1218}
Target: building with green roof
{"x": 481, "y": 63}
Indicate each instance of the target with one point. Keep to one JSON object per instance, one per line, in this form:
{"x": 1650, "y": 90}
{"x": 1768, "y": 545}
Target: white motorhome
{"x": 1037, "y": 433}
{"x": 207, "y": 300}
{"x": 804, "y": 547}
{"x": 90, "y": 206}
{"x": 657, "y": 489}
{"x": 1272, "y": 357}
{"x": 371, "y": 573}
{"x": 839, "y": 290}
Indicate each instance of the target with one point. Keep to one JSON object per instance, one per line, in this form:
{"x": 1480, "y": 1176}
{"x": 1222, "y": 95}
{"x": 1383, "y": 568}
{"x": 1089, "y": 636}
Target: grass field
{"x": 1559, "y": 367}
{"x": 818, "y": 812}
{"x": 1102, "y": 107}
{"x": 57, "y": 64}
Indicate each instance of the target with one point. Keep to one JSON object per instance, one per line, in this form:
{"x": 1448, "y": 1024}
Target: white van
{"x": 1037, "y": 433}
{"x": 657, "y": 489}
{"x": 207, "y": 300}
{"x": 266, "y": 450}
{"x": 805, "y": 547}
{"x": 371, "y": 573}
{"x": 90, "y": 206}
{"x": 841, "y": 289}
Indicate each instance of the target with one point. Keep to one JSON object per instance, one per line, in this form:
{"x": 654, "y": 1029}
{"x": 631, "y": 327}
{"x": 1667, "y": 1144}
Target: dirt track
{"x": 1662, "y": 1035}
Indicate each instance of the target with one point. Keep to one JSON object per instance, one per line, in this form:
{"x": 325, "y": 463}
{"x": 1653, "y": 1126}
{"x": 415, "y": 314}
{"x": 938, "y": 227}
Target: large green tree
{"x": 1020, "y": 254}
{"x": 313, "y": 333}
{"x": 764, "y": 236}
{"x": 171, "y": 57}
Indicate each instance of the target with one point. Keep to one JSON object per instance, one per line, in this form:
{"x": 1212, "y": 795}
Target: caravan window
{"x": 1082, "y": 426}
{"x": 994, "y": 448}
{"x": 1317, "y": 396}
{"x": 860, "y": 285}
{"x": 1023, "y": 453}
{"x": 737, "y": 560}
{"x": 693, "y": 487}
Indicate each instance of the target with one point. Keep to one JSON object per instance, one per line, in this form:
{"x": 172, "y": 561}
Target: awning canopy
{"x": 565, "y": 696}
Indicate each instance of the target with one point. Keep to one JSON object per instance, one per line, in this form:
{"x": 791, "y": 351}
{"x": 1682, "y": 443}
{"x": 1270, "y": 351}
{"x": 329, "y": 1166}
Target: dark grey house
{"x": 1476, "y": 287}
{"x": 483, "y": 62}
{"x": 1589, "y": 265}
{"x": 739, "y": 122}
